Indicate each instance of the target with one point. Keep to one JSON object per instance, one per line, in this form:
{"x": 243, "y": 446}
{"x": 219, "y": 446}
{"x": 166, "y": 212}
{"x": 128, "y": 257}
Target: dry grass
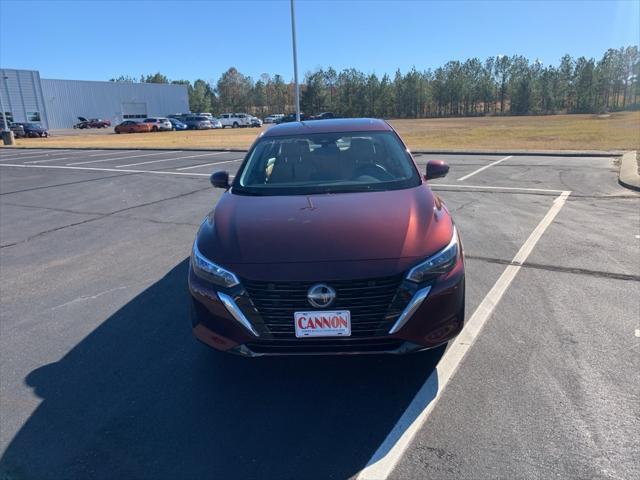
{"x": 618, "y": 131}
{"x": 225, "y": 138}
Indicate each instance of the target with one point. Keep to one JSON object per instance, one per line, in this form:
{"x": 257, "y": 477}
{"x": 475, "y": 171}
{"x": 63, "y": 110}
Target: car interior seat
{"x": 292, "y": 163}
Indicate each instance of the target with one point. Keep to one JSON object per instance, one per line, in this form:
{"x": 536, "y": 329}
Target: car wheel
{"x": 117, "y": 131}
{"x": 154, "y": 129}
{"x": 235, "y": 125}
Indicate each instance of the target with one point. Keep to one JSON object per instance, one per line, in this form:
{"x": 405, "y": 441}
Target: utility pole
{"x": 295, "y": 61}
{"x": 7, "y": 134}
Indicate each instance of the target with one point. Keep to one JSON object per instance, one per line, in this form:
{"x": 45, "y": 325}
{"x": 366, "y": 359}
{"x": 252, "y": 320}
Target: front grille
{"x": 319, "y": 346}
{"x": 374, "y": 304}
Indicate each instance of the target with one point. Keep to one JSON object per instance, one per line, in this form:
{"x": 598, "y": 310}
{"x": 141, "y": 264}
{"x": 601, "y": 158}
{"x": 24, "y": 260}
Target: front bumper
{"x": 438, "y": 319}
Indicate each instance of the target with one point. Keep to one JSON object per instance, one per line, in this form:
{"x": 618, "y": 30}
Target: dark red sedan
{"x": 328, "y": 241}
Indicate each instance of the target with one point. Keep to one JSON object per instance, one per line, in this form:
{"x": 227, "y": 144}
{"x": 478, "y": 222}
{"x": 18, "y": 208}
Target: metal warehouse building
{"x": 57, "y": 103}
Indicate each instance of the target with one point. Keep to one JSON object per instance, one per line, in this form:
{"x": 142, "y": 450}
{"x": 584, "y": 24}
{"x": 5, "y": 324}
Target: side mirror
{"x": 220, "y": 180}
{"x": 436, "y": 169}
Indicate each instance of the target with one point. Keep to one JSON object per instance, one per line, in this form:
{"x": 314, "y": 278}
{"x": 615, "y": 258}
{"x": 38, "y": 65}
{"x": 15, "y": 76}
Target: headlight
{"x": 437, "y": 264}
{"x": 208, "y": 270}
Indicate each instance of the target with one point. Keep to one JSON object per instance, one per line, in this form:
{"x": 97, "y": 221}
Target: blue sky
{"x": 95, "y": 40}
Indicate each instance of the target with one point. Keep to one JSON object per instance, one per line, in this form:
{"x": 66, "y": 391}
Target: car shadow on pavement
{"x": 140, "y": 398}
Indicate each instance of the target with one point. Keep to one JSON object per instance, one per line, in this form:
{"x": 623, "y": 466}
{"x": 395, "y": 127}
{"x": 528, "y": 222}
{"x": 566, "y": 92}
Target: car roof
{"x": 329, "y": 126}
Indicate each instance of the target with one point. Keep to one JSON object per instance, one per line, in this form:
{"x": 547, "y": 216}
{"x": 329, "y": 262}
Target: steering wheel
{"x": 373, "y": 170}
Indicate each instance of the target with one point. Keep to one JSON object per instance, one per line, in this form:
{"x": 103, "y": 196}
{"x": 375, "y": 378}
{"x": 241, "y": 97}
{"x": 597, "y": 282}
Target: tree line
{"x": 507, "y": 85}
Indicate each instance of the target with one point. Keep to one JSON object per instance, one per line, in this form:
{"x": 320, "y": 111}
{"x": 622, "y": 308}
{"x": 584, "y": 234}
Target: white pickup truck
{"x": 235, "y": 120}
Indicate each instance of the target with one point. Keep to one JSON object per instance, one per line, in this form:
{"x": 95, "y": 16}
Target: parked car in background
{"x": 291, "y": 118}
{"x": 99, "y": 123}
{"x": 382, "y": 282}
{"x": 324, "y": 116}
{"x": 33, "y": 130}
{"x": 255, "y": 122}
{"x": 82, "y": 123}
{"x": 273, "y": 117}
{"x": 177, "y": 124}
{"x": 130, "y": 126}
{"x": 16, "y": 128}
{"x": 158, "y": 124}
{"x": 92, "y": 123}
{"x": 216, "y": 123}
{"x": 197, "y": 122}
{"x": 235, "y": 120}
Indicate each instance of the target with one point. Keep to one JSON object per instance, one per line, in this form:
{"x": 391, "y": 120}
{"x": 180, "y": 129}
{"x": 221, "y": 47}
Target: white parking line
{"x": 20, "y": 157}
{"x": 461, "y": 179}
{"x": 398, "y": 440}
{"x": 57, "y": 159}
{"x": 485, "y": 187}
{"x": 118, "y": 158}
{"x": 169, "y": 159}
{"x": 61, "y": 152}
{"x": 13, "y": 156}
{"x": 434, "y": 186}
{"x": 97, "y": 169}
{"x": 110, "y": 152}
{"x": 208, "y": 164}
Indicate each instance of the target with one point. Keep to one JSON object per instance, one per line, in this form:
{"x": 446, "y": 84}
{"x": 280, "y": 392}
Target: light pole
{"x": 7, "y": 134}
{"x": 295, "y": 61}
{"x": 5, "y": 127}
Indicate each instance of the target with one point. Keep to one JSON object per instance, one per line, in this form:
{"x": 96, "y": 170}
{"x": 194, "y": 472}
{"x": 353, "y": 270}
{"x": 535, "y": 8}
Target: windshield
{"x": 327, "y": 163}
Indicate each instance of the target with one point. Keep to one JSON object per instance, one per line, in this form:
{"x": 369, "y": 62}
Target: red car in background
{"x": 328, "y": 241}
{"x": 129, "y": 126}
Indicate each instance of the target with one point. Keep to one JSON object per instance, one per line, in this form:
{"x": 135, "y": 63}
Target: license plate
{"x": 336, "y": 323}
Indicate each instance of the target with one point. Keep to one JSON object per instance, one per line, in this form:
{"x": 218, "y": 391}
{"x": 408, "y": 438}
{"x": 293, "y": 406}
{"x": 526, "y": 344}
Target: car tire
{"x": 117, "y": 131}
{"x": 154, "y": 129}
{"x": 235, "y": 125}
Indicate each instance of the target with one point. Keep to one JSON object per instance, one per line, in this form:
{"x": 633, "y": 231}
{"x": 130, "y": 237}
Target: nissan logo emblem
{"x": 321, "y": 295}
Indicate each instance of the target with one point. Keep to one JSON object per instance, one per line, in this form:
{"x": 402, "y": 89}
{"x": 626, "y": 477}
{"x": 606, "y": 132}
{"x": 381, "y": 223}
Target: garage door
{"x": 134, "y": 110}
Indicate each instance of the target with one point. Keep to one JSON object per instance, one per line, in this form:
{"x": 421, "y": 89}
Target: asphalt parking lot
{"x": 101, "y": 378}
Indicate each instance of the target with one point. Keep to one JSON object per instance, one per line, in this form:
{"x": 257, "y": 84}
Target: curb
{"x": 629, "y": 176}
{"x": 239, "y": 150}
{"x": 535, "y": 153}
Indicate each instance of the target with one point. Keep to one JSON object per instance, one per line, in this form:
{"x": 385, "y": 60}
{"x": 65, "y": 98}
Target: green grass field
{"x": 617, "y": 131}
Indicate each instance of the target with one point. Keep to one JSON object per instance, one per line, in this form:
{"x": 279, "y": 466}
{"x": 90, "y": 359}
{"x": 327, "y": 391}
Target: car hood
{"x": 345, "y": 227}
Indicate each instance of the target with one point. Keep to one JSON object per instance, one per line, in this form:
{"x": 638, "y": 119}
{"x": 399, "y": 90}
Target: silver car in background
{"x": 159, "y": 124}
{"x": 273, "y": 117}
{"x": 216, "y": 123}
{"x": 197, "y": 122}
